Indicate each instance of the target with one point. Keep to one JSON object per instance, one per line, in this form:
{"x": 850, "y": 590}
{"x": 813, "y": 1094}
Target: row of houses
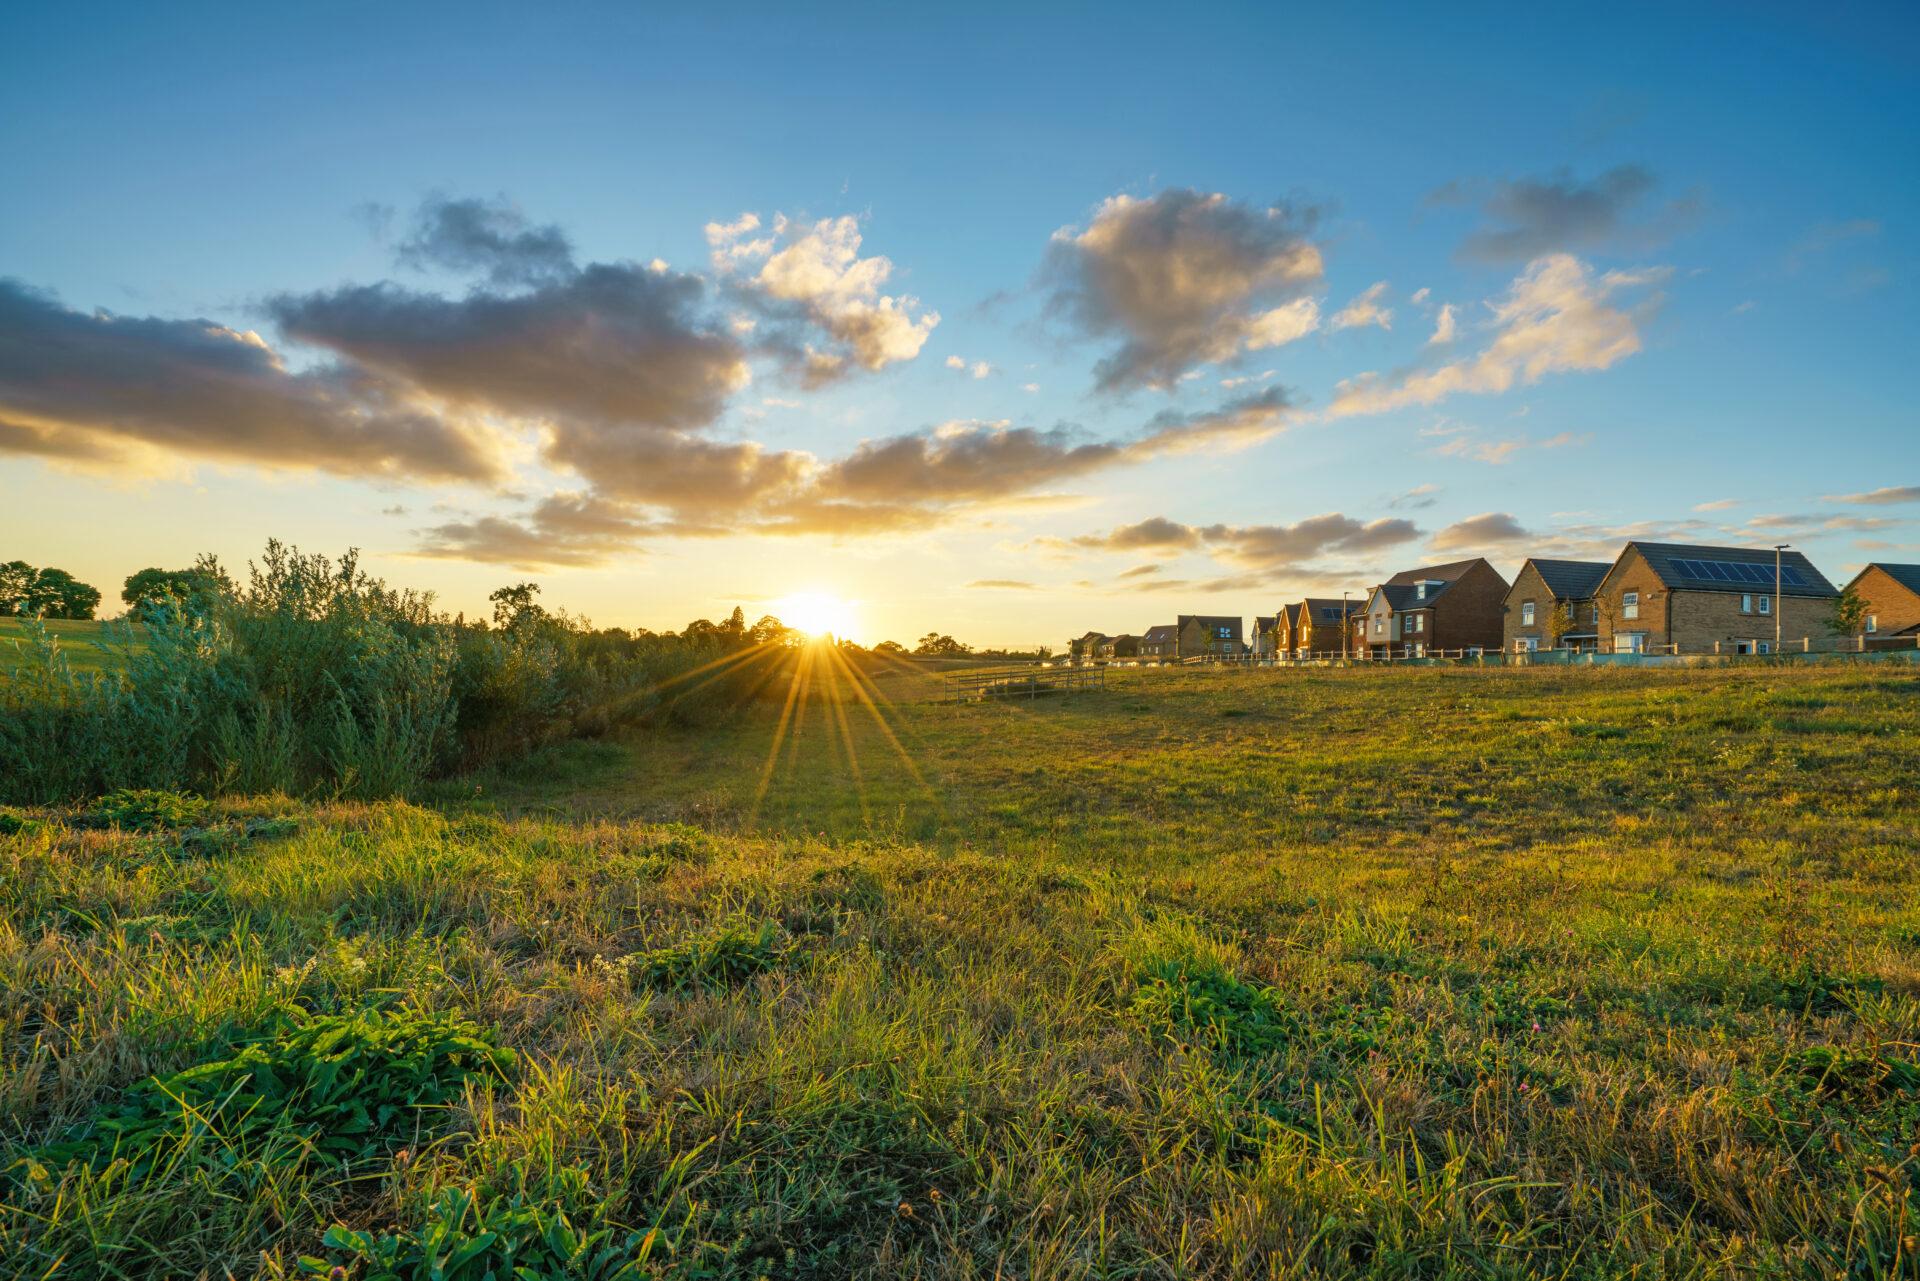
{"x": 1668, "y": 598}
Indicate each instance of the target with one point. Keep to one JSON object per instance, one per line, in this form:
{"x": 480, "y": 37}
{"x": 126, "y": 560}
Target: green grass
{"x": 1427, "y": 973}
{"x": 80, "y": 640}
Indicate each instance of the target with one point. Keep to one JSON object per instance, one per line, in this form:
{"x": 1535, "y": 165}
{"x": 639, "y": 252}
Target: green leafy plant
{"x": 146, "y": 809}
{"x": 463, "y": 1239}
{"x": 330, "y": 1085}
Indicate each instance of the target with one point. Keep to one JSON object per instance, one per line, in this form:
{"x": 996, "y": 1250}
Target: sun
{"x": 815, "y": 613}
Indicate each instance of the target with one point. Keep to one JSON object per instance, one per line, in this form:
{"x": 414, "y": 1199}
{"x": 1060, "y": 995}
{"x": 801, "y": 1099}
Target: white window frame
{"x": 1746, "y": 602}
{"x": 1630, "y": 604}
{"x": 1766, "y": 604}
{"x": 1873, "y": 622}
{"x": 1526, "y": 613}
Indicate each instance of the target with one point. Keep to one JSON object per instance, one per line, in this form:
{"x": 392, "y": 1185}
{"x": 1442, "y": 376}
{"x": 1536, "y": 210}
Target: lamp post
{"x": 1777, "y": 549}
{"x": 1346, "y": 628}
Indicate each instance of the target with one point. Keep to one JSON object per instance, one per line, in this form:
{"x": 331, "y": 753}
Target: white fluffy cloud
{"x": 1557, "y": 317}
{"x": 1365, "y": 310}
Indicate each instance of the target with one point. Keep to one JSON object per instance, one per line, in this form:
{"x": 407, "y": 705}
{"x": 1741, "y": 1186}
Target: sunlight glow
{"x": 816, "y": 613}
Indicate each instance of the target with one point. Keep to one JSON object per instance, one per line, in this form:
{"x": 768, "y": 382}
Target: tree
{"x": 514, "y": 607}
{"x": 16, "y": 584}
{"x": 893, "y": 649}
{"x": 58, "y": 594}
{"x": 195, "y": 590}
{"x": 1849, "y": 616}
{"x": 1559, "y": 622}
{"x": 936, "y": 645}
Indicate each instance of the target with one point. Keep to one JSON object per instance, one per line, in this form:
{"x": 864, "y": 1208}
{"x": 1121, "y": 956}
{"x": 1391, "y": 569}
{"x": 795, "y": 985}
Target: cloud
{"x": 1416, "y": 498}
{"x": 1880, "y": 497}
{"x": 612, "y": 345}
{"x": 1029, "y": 387}
{"x": 817, "y": 271}
{"x": 978, "y": 369}
{"x": 1139, "y": 571}
{"x": 1365, "y": 310}
{"x": 1717, "y": 505}
{"x": 1488, "y": 528}
{"x": 1002, "y": 585}
{"x": 563, "y": 530}
{"x": 1265, "y": 548}
{"x": 1237, "y": 424}
{"x": 1459, "y": 444}
{"x": 1536, "y": 216}
{"x": 95, "y": 387}
{"x": 1183, "y": 278}
{"x": 1442, "y": 327}
{"x": 1557, "y": 317}
{"x": 491, "y": 237}
{"x": 963, "y": 461}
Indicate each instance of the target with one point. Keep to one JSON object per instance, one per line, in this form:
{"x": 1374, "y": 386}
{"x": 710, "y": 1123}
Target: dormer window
{"x": 1420, "y": 590}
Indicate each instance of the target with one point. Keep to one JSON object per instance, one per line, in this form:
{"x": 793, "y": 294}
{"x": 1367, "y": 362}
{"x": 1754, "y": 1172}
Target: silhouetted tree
{"x": 514, "y": 606}
{"x": 58, "y": 594}
{"x": 16, "y": 584}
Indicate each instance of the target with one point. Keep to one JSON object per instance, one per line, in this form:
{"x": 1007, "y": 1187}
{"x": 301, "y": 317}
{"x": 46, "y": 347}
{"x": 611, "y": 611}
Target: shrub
{"x": 146, "y": 809}
{"x": 727, "y": 956}
{"x": 331, "y": 1086}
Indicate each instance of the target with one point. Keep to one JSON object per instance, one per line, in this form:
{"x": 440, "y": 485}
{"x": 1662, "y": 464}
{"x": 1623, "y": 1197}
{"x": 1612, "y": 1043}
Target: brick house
{"x": 1266, "y": 636}
{"x": 1317, "y": 624}
{"x": 1679, "y": 598}
{"x": 1118, "y": 647}
{"x": 1209, "y": 634}
{"x": 1551, "y": 604}
{"x": 1284, "y": 626}
{"x": 1084, "y": 648}
{"x": 1892, "y": 593}
{"x": 1161, "y": 643}
{"x": 1456, "y": 606}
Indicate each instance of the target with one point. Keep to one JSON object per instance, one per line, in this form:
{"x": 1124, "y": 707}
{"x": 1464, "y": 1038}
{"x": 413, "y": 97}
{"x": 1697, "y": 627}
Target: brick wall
{"x": 1892, "y": 605}
{"x": 1700, "y": 619}
{"x": 1469, "y": 612}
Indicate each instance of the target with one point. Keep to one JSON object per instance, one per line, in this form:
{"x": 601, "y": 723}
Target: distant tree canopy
{"x": 936, "y": 645}
{"x": 48, "y": 593}
{"x": 194, "y": 589}
{"x": 514, "y": 606}
{"x": 892, "y": 648}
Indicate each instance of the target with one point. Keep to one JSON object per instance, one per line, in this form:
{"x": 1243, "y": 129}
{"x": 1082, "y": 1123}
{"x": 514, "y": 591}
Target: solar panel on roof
{"x": 1749, "y": 573}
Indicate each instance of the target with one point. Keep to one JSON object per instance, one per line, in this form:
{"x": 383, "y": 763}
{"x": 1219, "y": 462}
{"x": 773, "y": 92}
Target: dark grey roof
{"x": 1265, "y": 624}
{"x": 1662, "y": 558}
{"x": 1327, "y": 610}
{"x": 1570, "y": 579}
{"x": 1908, "y": 576}
{"x": 1442, "y": 573}
{"x": 1164, "y": 632}
{"x": 1405, "y": 596}
{"x": 1211, "y": 621}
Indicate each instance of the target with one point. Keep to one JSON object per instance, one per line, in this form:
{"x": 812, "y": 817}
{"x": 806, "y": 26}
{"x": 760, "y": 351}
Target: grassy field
{"x": 1419, "y": 973}
{"x": 80, "y": 640}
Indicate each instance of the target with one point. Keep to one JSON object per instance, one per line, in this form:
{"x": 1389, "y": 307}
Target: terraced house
{"x": 1551, "y": 605}
{"x": 1455, "y": 607}
{"x": 1687, "y": 599}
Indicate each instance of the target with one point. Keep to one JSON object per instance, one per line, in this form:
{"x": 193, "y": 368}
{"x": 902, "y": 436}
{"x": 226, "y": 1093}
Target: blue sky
{"x": 1703, "y": 219}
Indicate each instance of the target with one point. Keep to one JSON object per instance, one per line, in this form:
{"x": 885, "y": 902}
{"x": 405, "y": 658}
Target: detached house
{"x": 1265, "y": 636}
{"x": 1118, "y": 647}
{"x": 1161, "y": 643}
{"x": 1677, "y": 598}
{"x": 1208, "y": 634}
{"x": 1551, "y": 605}
{"x": 1456, "y": 606}
{"x": 1892, "y": 593}
{"x": 1316, "y": 624}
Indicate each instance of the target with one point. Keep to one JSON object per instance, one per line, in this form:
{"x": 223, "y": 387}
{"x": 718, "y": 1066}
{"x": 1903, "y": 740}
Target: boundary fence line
{"x": 1022, "y": 682}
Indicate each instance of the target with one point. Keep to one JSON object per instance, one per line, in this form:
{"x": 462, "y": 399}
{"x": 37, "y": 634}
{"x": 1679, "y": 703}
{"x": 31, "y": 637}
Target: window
{"x": 1533, "y": 644}
{"x": 1873, "y": 622}
{"x": 1420, "y": 590}
{"x": 1746, "y": 602}
{"x": 1418, "y": 623}
{"x": 1630, "y": 604}
{"x": 1766, "y": 604}
{"x": 1526, "y": 613}
{"x": 1379, "y": 626}
{"x": 1766, "y": 647}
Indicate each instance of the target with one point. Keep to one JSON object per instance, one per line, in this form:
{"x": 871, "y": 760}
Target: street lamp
{"x": 1346, "y": 628}
{"x": 1777, "y": 549}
